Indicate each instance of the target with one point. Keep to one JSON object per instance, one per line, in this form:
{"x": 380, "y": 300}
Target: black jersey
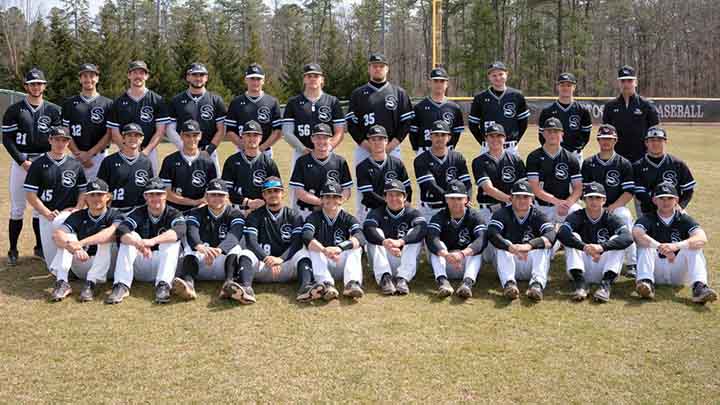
{"x": 224, "y": 231}
{"x": 244, "y": 177}
{"x": 330, "y": 232}
{"x": 508, "y": 109}
{"x": 371, "y": 177}
{"x": 608, "y": 231}
{"x": 508, "y": 226}
{"x": 457, "y": 234}
{"x": 434, "y": 174}
{"x": 86, "y": 119}
{"x": 126, "y": 178}
{"x": 305, "y": 114}
{"x": 502, "y": 173}
{"x": 58, "y": 183}
{"x": 407, "y": 224}
{"x": 207, "y": 109}
{"x": 148, "y": 226}
{"x": 274, "y": 234}
{"x": 187, "y": 177}
{"x": 555, "y": 173}
{"x": 680, "y": 227}
{"x": 632, "y": 122}
{"x": 615, "y": 174}
{"x": 149, "y": 111}
{"x": 428, "y": 111}
{"x": 263, "y": 109}
{"x": 388, "y": 106}
{"x": 310, "y": 174}
{"x": 26, "y": 128}
{"x": 648, "y": 174}
{"x": 576, "y": 122}
{"x": 83, "y": 224}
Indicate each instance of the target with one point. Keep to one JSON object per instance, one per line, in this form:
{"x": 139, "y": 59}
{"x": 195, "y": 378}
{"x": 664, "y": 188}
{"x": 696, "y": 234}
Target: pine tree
{"x": 333, "y": 61}
{"x": 62, "y": 71}
{"x": 112, "y": 51}
{"x": 39, "y": 54}
{"x": 297, "y": 56}
{"x": 224, "y": 54}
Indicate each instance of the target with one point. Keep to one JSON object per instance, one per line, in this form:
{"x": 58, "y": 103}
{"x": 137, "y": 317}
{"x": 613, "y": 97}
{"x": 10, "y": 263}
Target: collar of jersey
{"x": 322, "y": 93}
{"x": 33, "y": 109}
{"x": 459, "y": 221}
{"x": 605, "y": 162}
{"x": 492, "y": 93}
{"x": 435, "y": 103}
{"x": 321, "y": 162}
{"x": 376, "y": 164}
{"x": 487, "y": 152}
{"x": 127, "y": 159}
{"x": 662, "y": 221}
{"x": 96, "y": 219}
{"x": 395, "y": 216}
{"x": 273, "y": 216}
{"x": 651, "y": 163}
{"x": 219, "y": 215}
{"x": 249, "y": 161}
{"x": 381, "y": 88}
{"x": 254, "y": 99}
{"x": 332, "y": 221}
{"x": 551, "y": 156}
{"x": 127, "y": 93}
{"x": 190, "y": 95}
{"x": 189, "y": 159}
{"x": 437, "y": 159}
{"x": 89, "y": 100}
{"x": 56, "y": 162}
{"x": 594, "y": 221}
{"x": 522, "y": 220}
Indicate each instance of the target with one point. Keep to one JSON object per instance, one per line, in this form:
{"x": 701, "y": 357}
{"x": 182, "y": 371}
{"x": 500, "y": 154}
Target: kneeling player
{"x": 213, "y": 233}
{"x": 670, "y": 248}
{"x": 594, "y": 240}
{"x": 522, "y": 235}
{"x": 335, "y": 242}
{"x": 456, "y": 239}
{"x": 86, "y": 244}
{"x": 150, "y": 238}
{"x": 394, "y": 234}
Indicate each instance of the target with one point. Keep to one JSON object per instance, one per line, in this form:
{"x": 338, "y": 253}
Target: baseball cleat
{"x": 602, "y": 294}
{"x": 183, "y": 289}
{"x": 645, "y": 289}
{"x": 87, "y": 293}
{"x": 401, "y": 285}
{"x": 61, "y": 291}
{"x": 119, "y": 292}
{"x": 226, "y": 290}
{"x": 303, "y": 294}
{"x": 330, "y": 292}
{"x": 702, "y": 293}
{"x": 465, "y": 289}
{"x": 162, "y": 293}
{"x": 444, "y": 288}
{"x": 248, "y": 296}
{"x": 12, "y": 259}
{"x": 386, "y": 285}
{"x": 511, "y": 291}
{"x": 353, "y": 290}
{"x": 580, "y": 292}
{"x": 631, "y": 271}
{"x": 534, "y": 292}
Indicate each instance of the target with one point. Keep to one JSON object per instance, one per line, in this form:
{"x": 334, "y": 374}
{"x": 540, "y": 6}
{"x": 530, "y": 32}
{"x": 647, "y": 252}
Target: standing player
{"x": 313, "y": 170}
{"x": 432, "y": 108}
{"x": 670, "y": 245}
{"x": 374, "y": 172}
{"x": 26, "y": 126}
{"x": 198, "y": 104}
{"x": 127, "y": 171}
{"x": 257, "y": 106}
{"x": 245, "y": 172}
{"x": 55, "y": 187}
{"x": 186, "y": 172}
{"x": 523, "y": 237}
{"x": 141, "y": 106}
{"x": 335, "y": 242}
{"x": 85, "y": 118}
{"x": 436, "y": 168}
{"x": 456, "y": 239}
{"x": 395, "y": 233}
{"x": 502, "y": 105}
{"x": 576, "y": 120}
{"x": 149, "y": 239}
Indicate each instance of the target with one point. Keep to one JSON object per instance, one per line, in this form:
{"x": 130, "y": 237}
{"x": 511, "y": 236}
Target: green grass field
{"x": 381, "y": 349}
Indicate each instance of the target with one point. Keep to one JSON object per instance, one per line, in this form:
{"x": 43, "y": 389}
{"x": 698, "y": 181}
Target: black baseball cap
{"x": 377, "y": 130}
{"x": 665, "y": 189}
{"x": 656, "y": 133}
{"x": 607, "y": 131}
{"x": 594, "y": 189}
{"x": 132, "y": 128}
{"x": 138, "y": 64}
{"x": 312, "y": 69}
{"x": 331, "y": 187}
{"x": 196, "y": 68}
{"x": 97, "y": 186}
{"x": 35, "y": 75}
{"x": 567, "y": 77}
{"x": 440, "y": 126}
{"x": 191, "y": 127}
{"x": 497, "y": 65}
{"x": 377, "y": 58}
{"x": 626, "y": 72}
{"x": 88, "y": 67}
{"x": 272, "y": 183}
{"x": 216, "y": 186}
{"x": 521, "y": 187}
{"x": 321, "y": 129}
{"x": 495, "y": 128}
{"x": 57, "y": 131}
{"x": 395, "y": 185}
{"x": 456, "y": 188}
{"x": 439, "y": 74}
{"x": 553, "y": 123}
{"x": 154, "y": 185}
{"x": 254, "y": 70}
{"x": 252, "y": 127}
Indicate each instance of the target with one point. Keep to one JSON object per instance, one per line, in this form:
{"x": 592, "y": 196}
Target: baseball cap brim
{"x": 154, "y": 191}
{"x": 330, "y": 194}
{"x": 217, "y": 192}
{"x": 627, "y": 77}
{"x": 132, "y": 132}
{"x": 323, "y": 133}
{"x": 495, "y": 133}
{"x": 251, "y": 131}
{"x": 313, "y": 72}
{"x": 439, "y": 78}
{"x": 594, "y": 195}
{"x": 523, "y": 193}
{"x": 35, "y": 81}
{"x": 255, "y": 75}
{"x": 96, "y": 192}
{"x": 609, "y": 136}
{"x": 377, "y": 136}
{"x": 666, "y": 195}
{"x": 396, "y": 190}
{"x": 439, "y": 131}
{"x": 59, "y": 135}
{"x": 455, "y": 195}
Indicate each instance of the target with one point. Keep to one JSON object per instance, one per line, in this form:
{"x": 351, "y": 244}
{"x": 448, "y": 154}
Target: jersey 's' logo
{"x": 339, "y": 236}
{"x": 390, "y": 175}
{"x": 451, "y": 174}
{"x": 43, "y": 123}
{"x": 263, "y": 114}
{"x": 448, "y": 117}
{"x": 147, "y": 114}
{"x": 324, "y": 113}
{"x": 141, "y": 178}
{"x": 259, "y": 176}
{"x": 207, "y": 112}
{"x": 508, "y": 174}
{"x": 561, "y": 171}
{"x": 222, "y": 231}
{"x": 527, "y": 235}
{"x": 286, "y": 232}
{"x": 334, "y": 175}
{"x": 391, "y": 102}
{"x": 68, "y": 178}
{"x": 675, "y": 236}
{"x": 402, "y": 230}
{"x": 574, "y": 121}
{"x": 603, "y": 235}
{"x": 612, "y": 178}
{"x": 509, "y": 110}
{"x": 464, "y": 237}
{"x": 97, "y": 115}
{"x": 198, "y": 178}
{"x": 670, "y": 176}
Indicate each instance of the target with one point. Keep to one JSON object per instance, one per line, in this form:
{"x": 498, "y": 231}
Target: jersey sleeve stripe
{"x": 482, "y": 180}
{"x": 497, "y": 224}
{"x": 473, "y": 119}
{"x": 30, "y": 188}
{"x": 524, "y": 115}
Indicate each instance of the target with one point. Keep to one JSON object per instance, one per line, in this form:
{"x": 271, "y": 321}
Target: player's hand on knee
{"x": 397, "y": 252}
{"x": 81, "y": 255}
{"x": 26, "y": 165}
{"x": 146, "y": 252}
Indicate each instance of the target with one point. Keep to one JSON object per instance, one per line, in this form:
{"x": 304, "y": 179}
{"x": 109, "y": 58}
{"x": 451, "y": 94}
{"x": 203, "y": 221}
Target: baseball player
{"x": 499, "y": 104}
{"x": 456, "y": 239}
{"x": 670, "y": 245}
{"x": 615, "y": 174}
{"x": 86, "y": 244}
{"x": 213, "y": 232}
{"x": 314, "y": 169}
{"x": 631, "y": 115}
{"x": 26, "y": 126}
{"x": 594, "y": 241}
{"x": 187, "y": 171}
{"x": 255, "y": 105}
{"x": 395, "y": 234}
{"x": 374, "y": 172}
{"x": 552, "y": 173}
{"x": 245, "y": 172}
{"x": 576, "y": 120}
{"x": 436, "y": 168}
{"x": 658, "y": 166}
{"x": 84, "y": 116}
{"x": 55, "y": 187}
{"x": 335, "y": 242}
{"x": 432, "y": 108}
{"x": 149, "y": 238}
{"x": 523, "y": 237}
{"x": 198, "y": 104}
{"x": 275, "y": 251}
{"x": 141, "y": 106}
